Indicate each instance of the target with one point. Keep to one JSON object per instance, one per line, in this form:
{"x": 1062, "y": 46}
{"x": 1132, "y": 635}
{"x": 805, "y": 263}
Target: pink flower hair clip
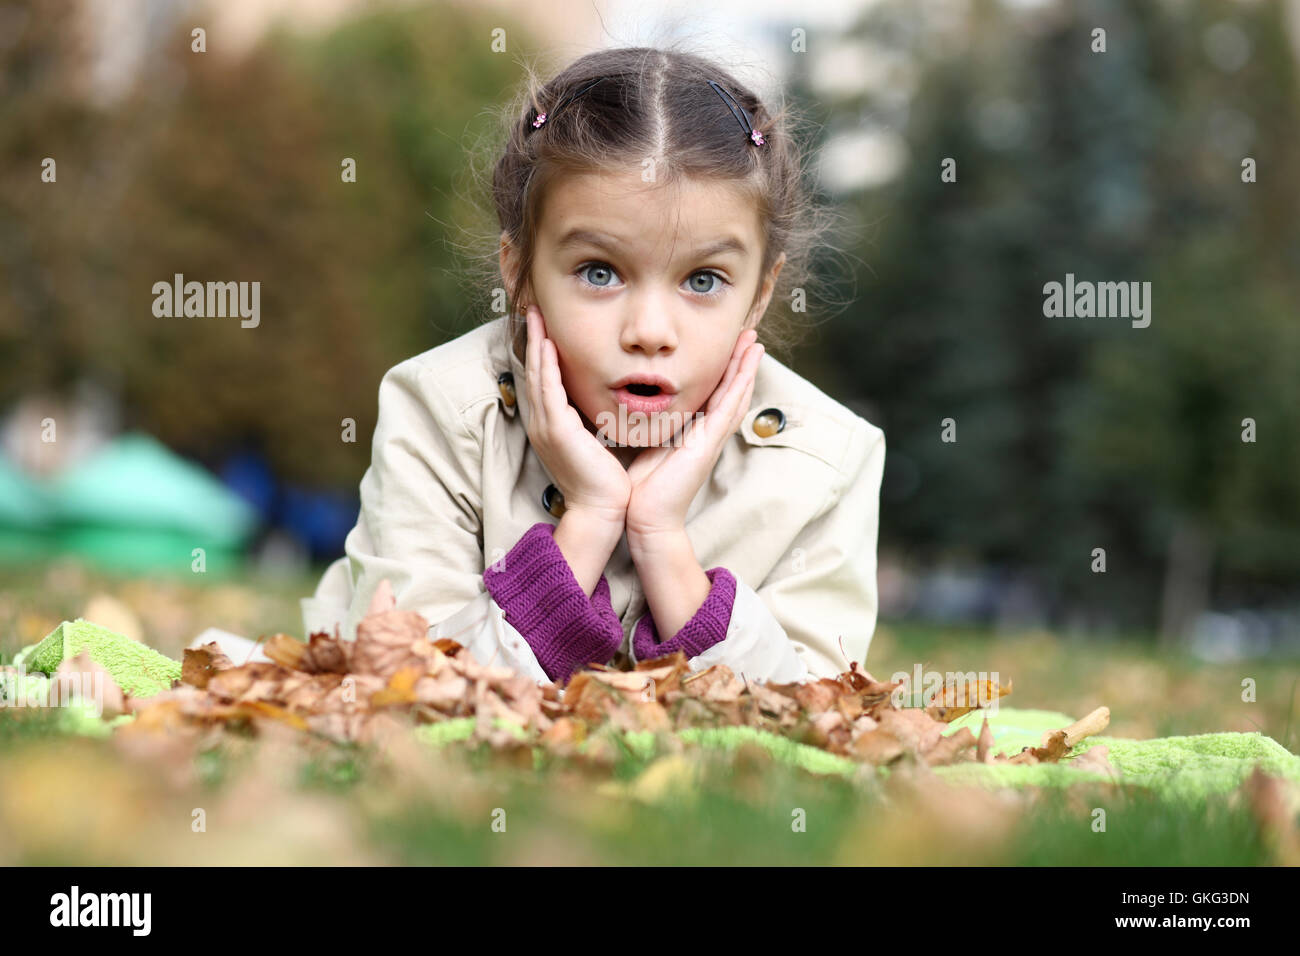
{"x": 742, "y": 116}
{"x": 541, "y": 117}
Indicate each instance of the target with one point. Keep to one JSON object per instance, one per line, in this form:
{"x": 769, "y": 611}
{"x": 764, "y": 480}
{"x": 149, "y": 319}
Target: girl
{"x": 709, "y": 499}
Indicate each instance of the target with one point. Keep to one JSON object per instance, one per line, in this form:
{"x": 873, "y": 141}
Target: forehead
{"x": 639, "y": 215}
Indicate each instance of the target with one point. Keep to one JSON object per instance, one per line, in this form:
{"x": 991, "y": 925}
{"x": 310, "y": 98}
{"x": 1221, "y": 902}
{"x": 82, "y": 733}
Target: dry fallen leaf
{"x": 958, "y": 699}
{"x": 201, "y": 664}
{"x": 392, "y": 675}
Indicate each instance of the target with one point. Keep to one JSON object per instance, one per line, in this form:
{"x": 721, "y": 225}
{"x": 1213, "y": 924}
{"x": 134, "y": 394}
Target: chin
{"x": 630, "y": 438}
{"x": 664, "y": 430}
{"x": 635, "y": 430}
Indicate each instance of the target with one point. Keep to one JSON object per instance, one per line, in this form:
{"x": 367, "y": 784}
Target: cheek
{"x": 575, "y": 366}
{"x": 719, "y": 351}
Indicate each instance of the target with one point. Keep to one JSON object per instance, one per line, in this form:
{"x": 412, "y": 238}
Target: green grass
{"x": 845, "y": 824}
{"x": 437, "y": 806}
{"x": 739, "y": 810}
{"x": 18, "y": 725}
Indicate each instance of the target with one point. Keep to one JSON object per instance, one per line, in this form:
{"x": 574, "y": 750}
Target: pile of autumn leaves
{"x": 352, "y": 690}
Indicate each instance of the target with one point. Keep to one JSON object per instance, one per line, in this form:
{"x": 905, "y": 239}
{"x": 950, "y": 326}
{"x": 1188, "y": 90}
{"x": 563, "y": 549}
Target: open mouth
{"x": 645, "y": 392}
{"x": 649, "y": 396}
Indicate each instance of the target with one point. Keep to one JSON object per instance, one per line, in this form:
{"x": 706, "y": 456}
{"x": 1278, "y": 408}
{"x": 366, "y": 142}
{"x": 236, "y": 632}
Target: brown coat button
{"x": 768, "y": 422}
{"x": 506, "y": 383}
{"x": 553, "y": 501}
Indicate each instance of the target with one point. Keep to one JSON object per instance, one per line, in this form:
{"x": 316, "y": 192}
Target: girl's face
{"x": 635, "y": 279}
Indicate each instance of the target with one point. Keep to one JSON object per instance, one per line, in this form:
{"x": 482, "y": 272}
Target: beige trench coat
{"x": 453, "y": 484}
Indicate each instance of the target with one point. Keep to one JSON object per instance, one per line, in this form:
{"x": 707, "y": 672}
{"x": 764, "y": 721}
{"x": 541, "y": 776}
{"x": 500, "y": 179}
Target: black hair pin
{"x": 741, "y": 115}
{"x": 542, "y": 117}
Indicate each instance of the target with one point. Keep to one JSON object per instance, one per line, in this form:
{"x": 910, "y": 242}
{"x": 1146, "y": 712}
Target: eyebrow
{"x": 575, "y": 237}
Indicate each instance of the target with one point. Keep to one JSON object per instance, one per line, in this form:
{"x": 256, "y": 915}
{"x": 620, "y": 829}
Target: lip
{"x": 648, "y": 404}
{"x": 665, "y": 385}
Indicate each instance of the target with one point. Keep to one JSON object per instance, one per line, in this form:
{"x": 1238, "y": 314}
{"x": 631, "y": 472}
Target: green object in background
{"x": 23, "y": 503}
{"x": 136, "y": 505}
{"x": 140, "y": 550}
{"x": 21, "y": 545}
{"x": 139, "y": 670}
{"x": 25, "y": 515}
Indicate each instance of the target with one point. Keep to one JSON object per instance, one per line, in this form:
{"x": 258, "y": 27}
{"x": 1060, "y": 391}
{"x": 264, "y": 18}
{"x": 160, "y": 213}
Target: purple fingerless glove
{"x": 544, "y": 602}
{"x": 707, "y": 627}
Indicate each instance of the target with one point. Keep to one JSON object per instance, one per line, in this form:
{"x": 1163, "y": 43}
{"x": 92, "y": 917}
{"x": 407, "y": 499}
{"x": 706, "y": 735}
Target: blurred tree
{"x": 230, "y": 169}
{"x": 243, "y": 179}
{"x": 45, "y": 260}
{"x": 1080, "y": 433}
{"x": 1072, "y": 434}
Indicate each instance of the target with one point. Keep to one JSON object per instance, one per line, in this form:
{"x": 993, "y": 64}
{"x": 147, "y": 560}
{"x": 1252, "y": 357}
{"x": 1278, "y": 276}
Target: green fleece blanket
{"x": 1181, "y": 769}
{"x": 139, "y": 670}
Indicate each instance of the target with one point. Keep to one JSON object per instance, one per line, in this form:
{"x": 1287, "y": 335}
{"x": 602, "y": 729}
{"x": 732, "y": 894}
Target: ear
{"x": 509, "y": 262}
{"x": 767, "y": 287}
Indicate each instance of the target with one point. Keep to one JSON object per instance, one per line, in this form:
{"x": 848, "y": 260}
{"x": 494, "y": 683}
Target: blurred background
{"x": 127, "y": 440}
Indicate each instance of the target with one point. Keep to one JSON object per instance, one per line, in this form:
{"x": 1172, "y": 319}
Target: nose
{"x": 649, "y": 326}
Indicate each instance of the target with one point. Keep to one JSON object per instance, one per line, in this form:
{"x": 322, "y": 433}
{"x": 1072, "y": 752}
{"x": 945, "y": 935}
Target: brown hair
{"x": 654, "y": 102}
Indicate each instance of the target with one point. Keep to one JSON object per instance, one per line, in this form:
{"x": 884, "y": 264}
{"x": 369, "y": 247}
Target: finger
{"x": 534, "y": 367}
{"x": 742, "y": 408}
{"x": 726, "y": 409}
{"x": 747, "y": 366}
{"x": 743, "y": 341}
{"x": 553, "y": 394}
{"x": 736, "y": 403}
{"x": 702, "y": 431}
{"x": 737, "y": 355}
{"x": 543, "y": 366}
{"x": 749, "y": 370}
{"x": 716, "y": 398}
{"x": 540, "y": 393}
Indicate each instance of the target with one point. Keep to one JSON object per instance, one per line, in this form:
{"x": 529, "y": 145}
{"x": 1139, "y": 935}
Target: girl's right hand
{"x": 590, "y": 478}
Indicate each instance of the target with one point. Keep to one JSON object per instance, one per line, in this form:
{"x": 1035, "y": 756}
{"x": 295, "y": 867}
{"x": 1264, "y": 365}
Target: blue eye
{"x": 605, "y": 273}
{"x": 708, "y": 274}
{"x": 597, "y": 267}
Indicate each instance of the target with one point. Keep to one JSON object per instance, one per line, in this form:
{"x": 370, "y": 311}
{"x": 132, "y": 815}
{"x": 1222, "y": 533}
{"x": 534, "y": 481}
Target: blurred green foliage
{"x": 1083, "y": 433}
{"x": 221, "y": 170}
{"x": 1073, "y": 434}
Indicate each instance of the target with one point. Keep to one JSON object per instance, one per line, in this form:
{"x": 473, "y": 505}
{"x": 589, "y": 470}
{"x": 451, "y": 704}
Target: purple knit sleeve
{"x": 536, "y": 590}
{"x": 707, "y": 627}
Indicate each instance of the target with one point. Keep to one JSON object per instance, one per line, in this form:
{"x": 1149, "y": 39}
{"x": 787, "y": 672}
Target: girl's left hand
{"x": 666, "y": 479}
